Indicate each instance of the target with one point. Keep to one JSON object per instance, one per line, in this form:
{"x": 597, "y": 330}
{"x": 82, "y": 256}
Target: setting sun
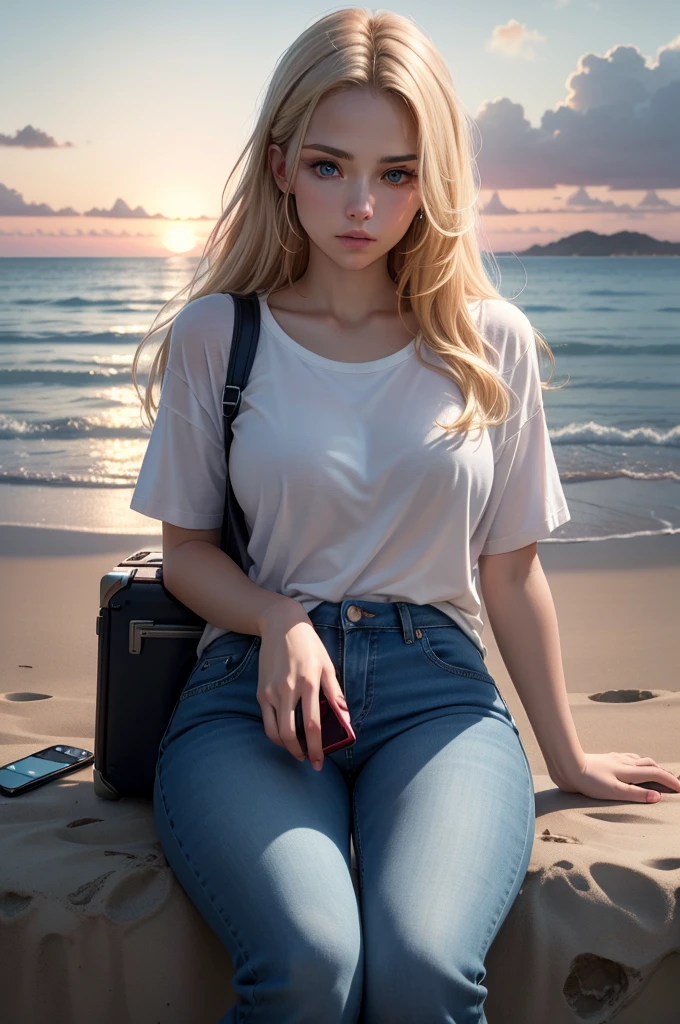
{"x": 179, "y": 238}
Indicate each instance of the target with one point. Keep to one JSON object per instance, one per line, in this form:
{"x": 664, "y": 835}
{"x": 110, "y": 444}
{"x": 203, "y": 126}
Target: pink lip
{"x": 355, "y": 243}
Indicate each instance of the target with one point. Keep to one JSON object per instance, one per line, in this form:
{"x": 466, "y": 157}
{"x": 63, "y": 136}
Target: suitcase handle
{"x": 139, "y": 628}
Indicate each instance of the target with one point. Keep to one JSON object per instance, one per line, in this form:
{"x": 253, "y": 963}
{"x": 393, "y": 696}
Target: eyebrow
{"x": 348, "y": 156}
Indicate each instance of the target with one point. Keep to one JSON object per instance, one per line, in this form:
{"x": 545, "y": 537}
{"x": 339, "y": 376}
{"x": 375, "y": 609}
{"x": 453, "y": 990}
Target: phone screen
{"x": 44, "y": 763}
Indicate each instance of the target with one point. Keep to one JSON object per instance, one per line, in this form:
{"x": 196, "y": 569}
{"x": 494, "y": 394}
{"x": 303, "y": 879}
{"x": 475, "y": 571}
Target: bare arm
{"x": 524, "y": 621}
{"x": 207, "y": 580}
{"x": 293, "y": 662}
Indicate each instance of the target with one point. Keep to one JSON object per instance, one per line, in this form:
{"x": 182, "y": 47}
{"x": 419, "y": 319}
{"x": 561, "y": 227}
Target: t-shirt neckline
{"x": 338, "y": 365}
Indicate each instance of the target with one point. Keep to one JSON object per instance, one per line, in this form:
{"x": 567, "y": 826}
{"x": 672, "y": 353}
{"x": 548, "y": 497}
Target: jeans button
{"x": 353, "y": 613}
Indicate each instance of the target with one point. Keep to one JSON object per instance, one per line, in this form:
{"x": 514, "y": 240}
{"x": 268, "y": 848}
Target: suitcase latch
{"x": 140, "y": 628}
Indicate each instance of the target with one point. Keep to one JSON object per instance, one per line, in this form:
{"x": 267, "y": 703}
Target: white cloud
{"x": 618, "y": 126}
{"x": 515, "y": 40}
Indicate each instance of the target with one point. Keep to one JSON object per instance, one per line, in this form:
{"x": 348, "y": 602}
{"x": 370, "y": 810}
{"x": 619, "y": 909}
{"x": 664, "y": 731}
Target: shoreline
{"x": 611, "y": 553}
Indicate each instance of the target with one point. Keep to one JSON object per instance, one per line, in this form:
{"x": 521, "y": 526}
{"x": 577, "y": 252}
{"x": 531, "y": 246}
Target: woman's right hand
{"x": 294, "y": 665}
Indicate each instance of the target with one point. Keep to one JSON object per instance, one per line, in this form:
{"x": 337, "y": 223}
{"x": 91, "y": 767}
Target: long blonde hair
{"x": 258, "y": 244}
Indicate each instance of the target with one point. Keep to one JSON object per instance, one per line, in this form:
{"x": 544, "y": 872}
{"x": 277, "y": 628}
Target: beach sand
{"x": 95, "y": 927}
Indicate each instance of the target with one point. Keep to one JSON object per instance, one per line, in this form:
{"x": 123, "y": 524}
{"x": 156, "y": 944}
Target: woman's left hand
{"x": 613, "y": 776}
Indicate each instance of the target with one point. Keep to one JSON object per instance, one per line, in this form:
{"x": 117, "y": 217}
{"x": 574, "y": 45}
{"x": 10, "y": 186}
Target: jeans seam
{"x": 228, "y": 678}
{"x": 494, "y": 922}
{"x": 218, "y": 908}
{"x": 511, "y": 719}
{"x": 370, "y": 680}
{"x": 357, "y": 845}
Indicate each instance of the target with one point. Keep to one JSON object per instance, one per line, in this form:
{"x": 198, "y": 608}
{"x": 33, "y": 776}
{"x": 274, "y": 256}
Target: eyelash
{"x": 394, "y": 184}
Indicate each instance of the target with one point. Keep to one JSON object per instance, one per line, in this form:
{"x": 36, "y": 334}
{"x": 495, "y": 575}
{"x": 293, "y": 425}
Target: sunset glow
{"x": 179, "y": 238}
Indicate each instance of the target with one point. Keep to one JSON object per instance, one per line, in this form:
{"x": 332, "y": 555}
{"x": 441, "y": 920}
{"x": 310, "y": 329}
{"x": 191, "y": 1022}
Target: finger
{"x": 669, "y": 779}
{"x": 286, "y": 717}
{"x": 640, "y": 795}
{"x": 270, "y": 724}
{"x": 666, "y": 778}
{"x": 332, "y": 691}
{"x": 311, "y": 713}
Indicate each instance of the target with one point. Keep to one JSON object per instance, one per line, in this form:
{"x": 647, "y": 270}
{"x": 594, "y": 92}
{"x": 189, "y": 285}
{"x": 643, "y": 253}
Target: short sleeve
{"x": 182, "y": 478}
{"x": 527, "y": 502}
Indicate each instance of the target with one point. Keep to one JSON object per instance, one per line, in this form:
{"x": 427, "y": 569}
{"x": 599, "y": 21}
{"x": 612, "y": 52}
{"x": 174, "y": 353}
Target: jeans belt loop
{"x": 406, "y": 623}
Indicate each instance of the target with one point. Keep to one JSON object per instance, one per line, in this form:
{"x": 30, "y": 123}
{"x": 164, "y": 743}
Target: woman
{"x": 372, "y": 523}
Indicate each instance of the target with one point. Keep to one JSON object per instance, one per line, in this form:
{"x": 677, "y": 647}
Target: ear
{"x": 277, "y": 162}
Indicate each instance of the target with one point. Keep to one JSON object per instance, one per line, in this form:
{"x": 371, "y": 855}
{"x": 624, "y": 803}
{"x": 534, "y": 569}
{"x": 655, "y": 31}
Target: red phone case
{"x": 335, "y": 734}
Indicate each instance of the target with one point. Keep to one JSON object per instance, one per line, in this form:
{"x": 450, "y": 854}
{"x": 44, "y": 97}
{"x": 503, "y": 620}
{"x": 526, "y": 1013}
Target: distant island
{"x": 590, "y": 243}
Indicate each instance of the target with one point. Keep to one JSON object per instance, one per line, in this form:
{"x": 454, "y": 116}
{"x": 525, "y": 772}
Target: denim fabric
{"x": 436, "y": 794}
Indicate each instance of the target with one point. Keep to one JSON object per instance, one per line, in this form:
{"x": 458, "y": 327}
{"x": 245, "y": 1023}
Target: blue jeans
{"x": 436, "y": 793}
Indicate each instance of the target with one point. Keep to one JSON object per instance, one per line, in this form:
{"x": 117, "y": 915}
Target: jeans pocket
{"x": 449, "y": 648}
{"x": 220, "y": 668}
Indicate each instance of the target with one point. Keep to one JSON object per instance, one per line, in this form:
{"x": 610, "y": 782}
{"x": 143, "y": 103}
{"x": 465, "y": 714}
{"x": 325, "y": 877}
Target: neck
{"x": 327, "y": 288}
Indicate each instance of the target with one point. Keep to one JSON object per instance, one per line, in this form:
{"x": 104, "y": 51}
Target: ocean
{"x": 72, "y": 440}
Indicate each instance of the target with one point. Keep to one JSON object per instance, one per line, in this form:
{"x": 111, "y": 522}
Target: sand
{"x": 94, "y": 926}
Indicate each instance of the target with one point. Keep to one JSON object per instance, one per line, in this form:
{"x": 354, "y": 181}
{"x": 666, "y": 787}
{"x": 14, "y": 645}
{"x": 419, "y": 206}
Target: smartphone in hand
{"x": 35, "y": 769}
{"x": 335, "y": 734}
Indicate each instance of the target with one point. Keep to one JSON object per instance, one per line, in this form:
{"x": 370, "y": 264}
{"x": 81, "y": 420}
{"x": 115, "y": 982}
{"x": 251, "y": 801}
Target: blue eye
{"x": 324, "y": 163}
{"x": 404, "y": 175}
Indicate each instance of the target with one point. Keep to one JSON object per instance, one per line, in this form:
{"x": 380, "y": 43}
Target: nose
{"x": 360, "y": 205}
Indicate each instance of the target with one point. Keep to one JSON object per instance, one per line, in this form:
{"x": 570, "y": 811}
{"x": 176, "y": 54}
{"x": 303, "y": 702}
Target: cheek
{"x": 320, "y": 202}
{"x": 314, "y": 197}
{"x": 402, "y": 206}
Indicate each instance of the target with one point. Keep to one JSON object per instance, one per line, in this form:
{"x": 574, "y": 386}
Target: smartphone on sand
{"x": 35, "y": 769}
{"x": 335, "y": 733}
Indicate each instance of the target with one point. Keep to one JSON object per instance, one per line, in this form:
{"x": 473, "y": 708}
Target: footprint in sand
{"x": 12, "y": 903}
{"x": 137, "y": 894}
{"x": 597, "y": 988}
{"x": 137, "y": 891}
{"x": 622, "y": 696}
{"x": 26, "y": 695}
{"x": 87, "y": 891}
{"x": 547, "y": 837}
{"x": 664, "y": 864}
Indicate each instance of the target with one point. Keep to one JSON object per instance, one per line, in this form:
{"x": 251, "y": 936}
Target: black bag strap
{"x": 235, "y": 537}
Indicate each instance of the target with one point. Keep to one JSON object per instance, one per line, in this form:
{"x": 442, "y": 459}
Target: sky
{"x": 120, "y": 123}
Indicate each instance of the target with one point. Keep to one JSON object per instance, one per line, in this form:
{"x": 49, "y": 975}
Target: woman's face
{"x": 357, "y": 171}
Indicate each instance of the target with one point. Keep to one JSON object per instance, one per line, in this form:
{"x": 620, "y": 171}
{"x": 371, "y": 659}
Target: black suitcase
{"x": 147, "y": 638}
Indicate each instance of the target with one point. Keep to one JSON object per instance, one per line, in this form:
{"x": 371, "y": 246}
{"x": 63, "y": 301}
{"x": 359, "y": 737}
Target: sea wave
{"x": 78, "y": 301}
{"x": 597, "y": 433}
{"x": 590, "y": 433}
{"x": 71, "y": 427}
{"x": 134, "y": 333}
{"x": 35, "y": 478}
{"x": 585, "y": 348}
{"x": 70, "y": 378}
{"x": 124, "y": 336}
{"x": 30, "y": 479}
{"x": 577, "y": 476}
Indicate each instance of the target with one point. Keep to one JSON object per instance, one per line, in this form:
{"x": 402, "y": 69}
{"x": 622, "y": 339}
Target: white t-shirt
{"x": 348, "y": 488}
